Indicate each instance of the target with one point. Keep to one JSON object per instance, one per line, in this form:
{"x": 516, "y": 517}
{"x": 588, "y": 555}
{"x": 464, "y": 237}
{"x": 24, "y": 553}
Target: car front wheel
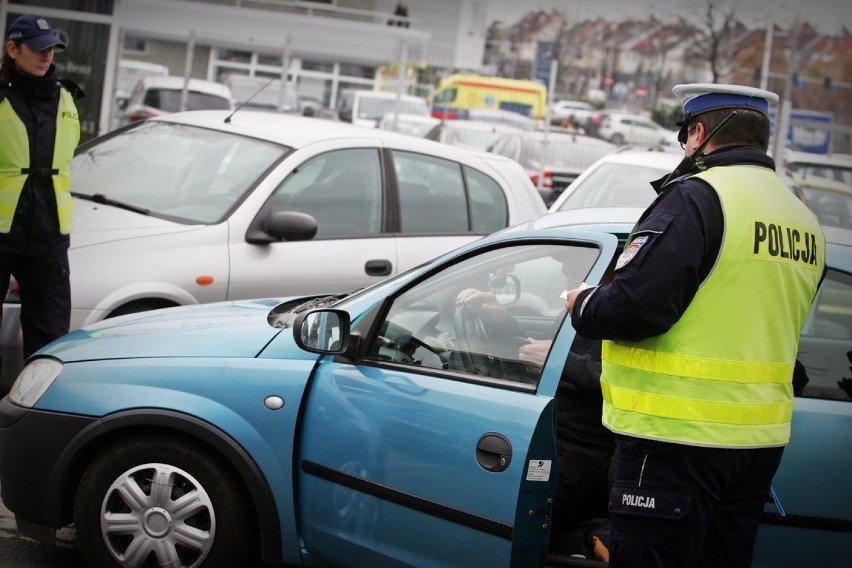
{"x": 162, "y": 502}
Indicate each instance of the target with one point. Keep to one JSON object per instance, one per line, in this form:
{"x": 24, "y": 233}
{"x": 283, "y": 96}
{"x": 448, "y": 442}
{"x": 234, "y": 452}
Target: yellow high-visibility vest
{"x": 15, "y": 159}
{"x": 721, "y": 376}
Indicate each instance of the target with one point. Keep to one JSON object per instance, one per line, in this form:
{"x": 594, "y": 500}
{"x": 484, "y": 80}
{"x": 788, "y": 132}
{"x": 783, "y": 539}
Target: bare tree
{"x": 657, "y": 62}
{"x": 716, "y": 34}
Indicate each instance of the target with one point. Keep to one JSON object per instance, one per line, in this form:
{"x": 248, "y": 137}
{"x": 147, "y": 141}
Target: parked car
{"x": 157, "y": 95}
{"x": 365, "y": 107}
{"x": 567, "y": 112}
{"x": 832, "y": 166}
{"x": 129, "y": 73}
{"x": 623, "y": 179}
{"x": 470, "y": 134}
{"x": 411, "y": 124}
{"x": 625, "y": 128}
{"x": 350, "y": 430}
{"x": 498, "y": 116}
{"x": 552, "y": 159}
{"x": 619, "y": 179}
{"x": 263, "y": 93}
{"x": 188, "y": 208}
{"x": 831, "y": 200}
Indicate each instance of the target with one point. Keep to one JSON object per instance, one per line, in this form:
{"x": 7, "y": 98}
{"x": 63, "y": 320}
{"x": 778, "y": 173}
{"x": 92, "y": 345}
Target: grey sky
{"x": 827, "y": 16}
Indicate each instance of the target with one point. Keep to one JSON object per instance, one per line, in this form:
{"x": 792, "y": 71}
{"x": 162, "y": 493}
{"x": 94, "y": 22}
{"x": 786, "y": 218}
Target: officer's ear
{"x": 700, "y": 133}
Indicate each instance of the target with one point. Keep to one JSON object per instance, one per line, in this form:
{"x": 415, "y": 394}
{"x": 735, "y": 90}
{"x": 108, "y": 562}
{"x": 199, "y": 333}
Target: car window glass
{"x": 446, "y": 96}
{"x": 431, "y": 194}
{"x": 182, "y": 172}
{"x": 488, "y": 209}
{"x": 614, "y": 185}
{"x": 342, "y": 190}
{"x": 442, "y": 323}
{"x": 825, "y": 345}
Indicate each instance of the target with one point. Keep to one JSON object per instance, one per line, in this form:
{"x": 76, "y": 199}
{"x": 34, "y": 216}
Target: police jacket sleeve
{"x": 673, "y": 249}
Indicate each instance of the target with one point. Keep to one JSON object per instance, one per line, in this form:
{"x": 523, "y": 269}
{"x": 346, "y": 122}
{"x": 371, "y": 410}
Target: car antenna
{"x": 248, "y": 100}
{"x": 695, "y": 161}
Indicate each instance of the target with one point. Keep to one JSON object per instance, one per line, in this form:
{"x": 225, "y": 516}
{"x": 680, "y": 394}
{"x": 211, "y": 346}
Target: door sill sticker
{"x": 539, "y": 470}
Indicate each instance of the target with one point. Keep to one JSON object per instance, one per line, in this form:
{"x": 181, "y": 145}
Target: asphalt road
{"x": 17, "y": 551}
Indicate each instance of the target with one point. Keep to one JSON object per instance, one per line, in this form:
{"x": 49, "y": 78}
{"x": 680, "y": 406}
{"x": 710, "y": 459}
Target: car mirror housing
{"x": 284, "y": 226}
{"x": 323, "y": 331}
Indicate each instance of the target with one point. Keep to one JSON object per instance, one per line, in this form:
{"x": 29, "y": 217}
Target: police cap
{"x": 698, "y": 98}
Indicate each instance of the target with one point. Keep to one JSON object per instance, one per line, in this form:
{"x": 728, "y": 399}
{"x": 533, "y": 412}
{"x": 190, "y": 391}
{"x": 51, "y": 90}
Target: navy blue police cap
{"x": 698, "y": 98}
{"x": 34, "y": 31}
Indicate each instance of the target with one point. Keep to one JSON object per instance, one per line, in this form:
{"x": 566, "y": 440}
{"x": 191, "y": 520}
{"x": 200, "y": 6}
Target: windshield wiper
{"x": 104, "y": 200}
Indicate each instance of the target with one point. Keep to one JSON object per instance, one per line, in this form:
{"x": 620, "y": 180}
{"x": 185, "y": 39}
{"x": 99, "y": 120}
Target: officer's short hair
{"x": 749, "y": 127}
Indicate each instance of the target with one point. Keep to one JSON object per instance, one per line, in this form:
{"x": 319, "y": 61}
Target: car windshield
{"x": 566, "y": 152}
{"x": 184, "y": 173}
{"x": 614, "y": 185}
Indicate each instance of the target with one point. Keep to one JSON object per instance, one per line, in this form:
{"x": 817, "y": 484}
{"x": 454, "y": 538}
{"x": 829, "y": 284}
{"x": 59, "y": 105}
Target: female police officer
{"x": 39, "y": 129}
{"x": 701, "y": 327}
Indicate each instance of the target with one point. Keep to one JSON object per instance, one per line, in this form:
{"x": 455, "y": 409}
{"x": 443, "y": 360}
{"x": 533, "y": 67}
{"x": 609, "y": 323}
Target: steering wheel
{"x": 475, "y": 346}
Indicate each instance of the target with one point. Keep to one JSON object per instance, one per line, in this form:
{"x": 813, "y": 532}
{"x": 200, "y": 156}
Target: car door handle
{"x": 494, "y": 452}
{"x": 378, "y": 267}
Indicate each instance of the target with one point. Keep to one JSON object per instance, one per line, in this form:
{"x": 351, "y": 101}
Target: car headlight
{"x": 31, "y": 383}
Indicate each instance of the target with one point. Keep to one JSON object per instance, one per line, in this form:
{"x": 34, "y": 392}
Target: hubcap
{"x": 158, "y": 522}
{"x": 157, "y": 515}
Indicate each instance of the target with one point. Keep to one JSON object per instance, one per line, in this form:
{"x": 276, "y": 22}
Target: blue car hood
{"x": 225, "y": 329}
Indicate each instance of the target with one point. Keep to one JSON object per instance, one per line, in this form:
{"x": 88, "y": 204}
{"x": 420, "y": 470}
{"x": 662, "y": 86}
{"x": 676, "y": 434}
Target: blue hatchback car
{"x": 394, "y": 426}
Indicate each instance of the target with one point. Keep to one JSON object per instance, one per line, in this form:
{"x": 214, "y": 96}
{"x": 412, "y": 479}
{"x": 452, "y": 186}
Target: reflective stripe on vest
{"x": 721, "y": 376}
{"x": 15, "y": 158}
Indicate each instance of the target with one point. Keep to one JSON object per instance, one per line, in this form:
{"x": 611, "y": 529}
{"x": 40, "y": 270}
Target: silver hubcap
{"x": 157, "y": 515}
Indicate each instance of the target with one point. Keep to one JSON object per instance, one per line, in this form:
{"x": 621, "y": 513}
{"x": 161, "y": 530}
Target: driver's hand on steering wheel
{"x": 486, "y": 305}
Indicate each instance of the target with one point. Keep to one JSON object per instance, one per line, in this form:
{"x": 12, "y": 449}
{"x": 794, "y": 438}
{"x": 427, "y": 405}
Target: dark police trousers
{"x": 685, "y": 506}
{"x": 45, "y": 296}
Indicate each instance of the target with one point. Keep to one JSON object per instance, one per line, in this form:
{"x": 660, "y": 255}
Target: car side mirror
{"x": 283, "y": 226}
{"x": 322, "y": 331}
{"x": 292, "y": 226}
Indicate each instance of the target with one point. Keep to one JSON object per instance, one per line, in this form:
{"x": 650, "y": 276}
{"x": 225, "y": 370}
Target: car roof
{"x": 175, "y": 82}
{"x": 387, "y": 95}
{"x": 479, "y": 125}
{"x": 627, "y": 114}
{"x": 574, "y": 104}
{"x": 822, "y": 183}
{"x": 154, "y": 68}
{"x": 298, "y": 131}
{"x": 797, "y": 157}
{"x": 648, "y": 158}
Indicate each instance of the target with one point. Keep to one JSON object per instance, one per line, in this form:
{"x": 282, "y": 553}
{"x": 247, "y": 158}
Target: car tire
{"x": 205, "y": 517}
{"x": 617, "y": 139}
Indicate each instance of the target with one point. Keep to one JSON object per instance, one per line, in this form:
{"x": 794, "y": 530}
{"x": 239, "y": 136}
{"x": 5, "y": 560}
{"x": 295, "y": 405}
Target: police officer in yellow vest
{"x": 39, "y": 129}
{"x": 701, "y": 329}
